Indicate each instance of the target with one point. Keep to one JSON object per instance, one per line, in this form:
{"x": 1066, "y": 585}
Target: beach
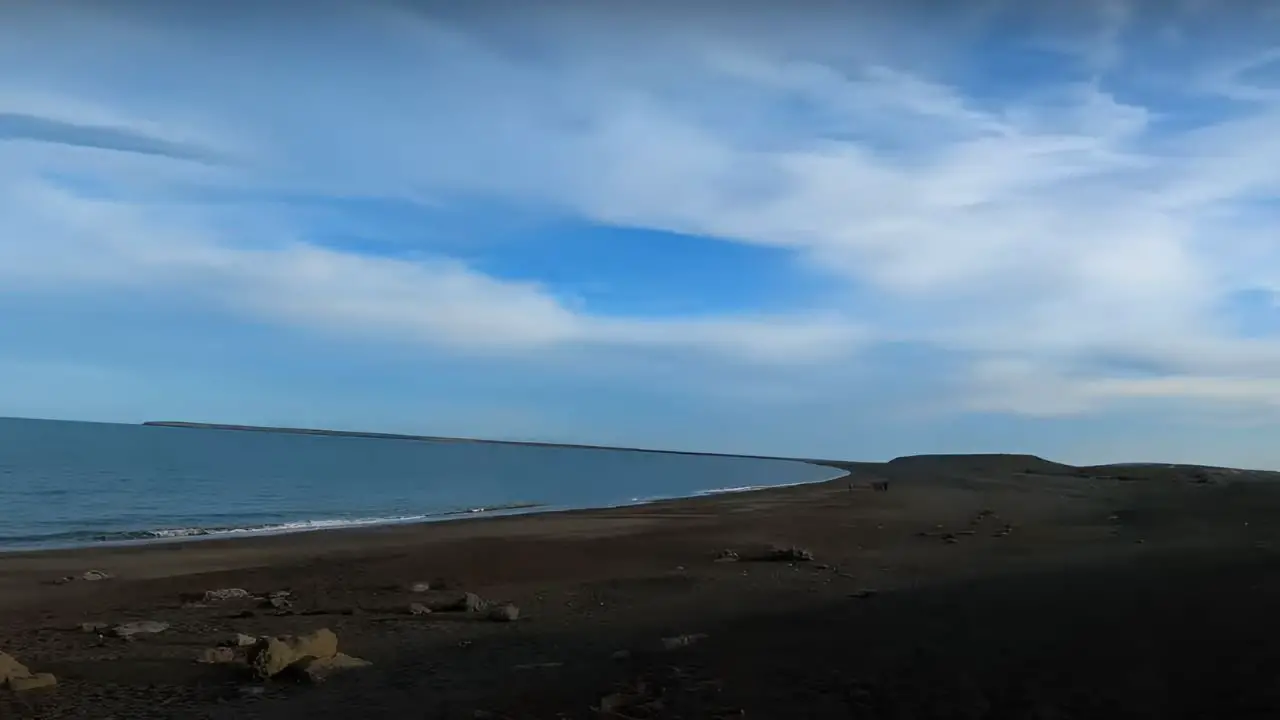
{"x": 972, "y": 587}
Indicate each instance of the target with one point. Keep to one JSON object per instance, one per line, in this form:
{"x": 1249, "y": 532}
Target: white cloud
{"x": 1037, "y": 227}
{"x": 1021, "y": 387}
{"x": 80, "y": 243}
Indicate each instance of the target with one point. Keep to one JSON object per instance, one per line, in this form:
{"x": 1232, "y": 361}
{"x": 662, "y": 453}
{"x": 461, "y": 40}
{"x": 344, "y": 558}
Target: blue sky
{"x": 820, "y": 228}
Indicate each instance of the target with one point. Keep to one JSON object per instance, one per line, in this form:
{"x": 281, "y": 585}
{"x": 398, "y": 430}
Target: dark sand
{"x": 1153, "y": 596}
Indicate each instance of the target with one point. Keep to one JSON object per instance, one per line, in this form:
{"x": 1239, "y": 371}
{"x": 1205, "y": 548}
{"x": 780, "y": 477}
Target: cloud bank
{"x": 1071, "y": 207}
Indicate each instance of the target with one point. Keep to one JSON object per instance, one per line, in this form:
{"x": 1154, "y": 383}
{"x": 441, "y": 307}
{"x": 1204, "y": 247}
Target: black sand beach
{"x": 974, "y": 587}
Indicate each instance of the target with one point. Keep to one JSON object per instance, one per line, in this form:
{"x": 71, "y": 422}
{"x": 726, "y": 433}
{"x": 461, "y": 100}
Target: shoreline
{"x": 196, "y": 531}
{"x": 843, "y": 468}
{"x": 531, "y": 510}
{"x": 199, "y": 534}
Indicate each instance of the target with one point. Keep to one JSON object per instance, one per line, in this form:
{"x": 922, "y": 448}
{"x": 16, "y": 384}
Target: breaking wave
{"x": 266, "y": 523}
{"x": 85, "y": 537}
{"x": 730, "y": 490}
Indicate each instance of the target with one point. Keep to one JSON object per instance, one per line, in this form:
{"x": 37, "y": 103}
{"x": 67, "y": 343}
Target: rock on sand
{"x": 470, "y": 602}
{"x": 10, "y": 667}
{"x": 315, "y": 655}
{"x": 789, "y": 554}
{"x": 141, "y": 627}
{"x": 504, "y": 612}
{"x": 320, "y": 668}
{"x": 15, "y": 676}
{"x": 226, "y": 594}
{"x": 271, "y": 656}
{"x": 218, "y": 656}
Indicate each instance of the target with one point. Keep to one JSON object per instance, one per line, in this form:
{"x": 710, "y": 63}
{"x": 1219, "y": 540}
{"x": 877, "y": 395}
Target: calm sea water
{"x": 70, "y": 484}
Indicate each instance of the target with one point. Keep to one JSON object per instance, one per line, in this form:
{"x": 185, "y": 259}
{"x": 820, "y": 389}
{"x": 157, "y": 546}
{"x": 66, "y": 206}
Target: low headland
{"x": 985, "y": 586}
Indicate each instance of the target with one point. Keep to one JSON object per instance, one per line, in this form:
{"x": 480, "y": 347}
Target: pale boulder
{"x": 18, "y": 678}
{"x": 10, "y": 668}
{"x": 35, "y": 681}
{"x": 320, "y": 669}
{"x": 271, "y": 656}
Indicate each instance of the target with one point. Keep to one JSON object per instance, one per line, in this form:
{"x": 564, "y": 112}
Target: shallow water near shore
{"x": 70, "y": 484}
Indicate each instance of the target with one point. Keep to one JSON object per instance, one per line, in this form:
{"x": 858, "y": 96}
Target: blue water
{"x": 65, "y": 484}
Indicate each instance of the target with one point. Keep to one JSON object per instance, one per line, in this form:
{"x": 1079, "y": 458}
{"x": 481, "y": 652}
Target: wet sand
{"x": 989, "y": 587}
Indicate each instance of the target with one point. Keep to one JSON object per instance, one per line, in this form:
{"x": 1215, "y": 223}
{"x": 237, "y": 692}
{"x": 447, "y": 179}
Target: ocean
{"x": 70, "y": 484}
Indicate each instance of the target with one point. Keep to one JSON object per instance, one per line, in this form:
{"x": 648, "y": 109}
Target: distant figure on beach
{"x": 880, "y": 486}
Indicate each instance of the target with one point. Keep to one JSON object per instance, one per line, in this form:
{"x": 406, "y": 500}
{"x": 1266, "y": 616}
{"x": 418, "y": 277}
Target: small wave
{"x": 284, "y": 527}
{"x": 705, "y": 493}
{"x": 727, "y": 490}
{"x": 83, "y": 537}
{"x": 750, "y": 488}
{"x": 174, "y": 533}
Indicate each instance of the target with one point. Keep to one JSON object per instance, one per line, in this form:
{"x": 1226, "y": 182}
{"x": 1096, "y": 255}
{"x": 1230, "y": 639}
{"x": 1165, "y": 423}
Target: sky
{"x": 822, "y": 228}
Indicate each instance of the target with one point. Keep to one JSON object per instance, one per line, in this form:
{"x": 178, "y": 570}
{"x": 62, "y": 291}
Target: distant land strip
{"x": 838, "y": 464}
{"x": 975, "y": 464}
